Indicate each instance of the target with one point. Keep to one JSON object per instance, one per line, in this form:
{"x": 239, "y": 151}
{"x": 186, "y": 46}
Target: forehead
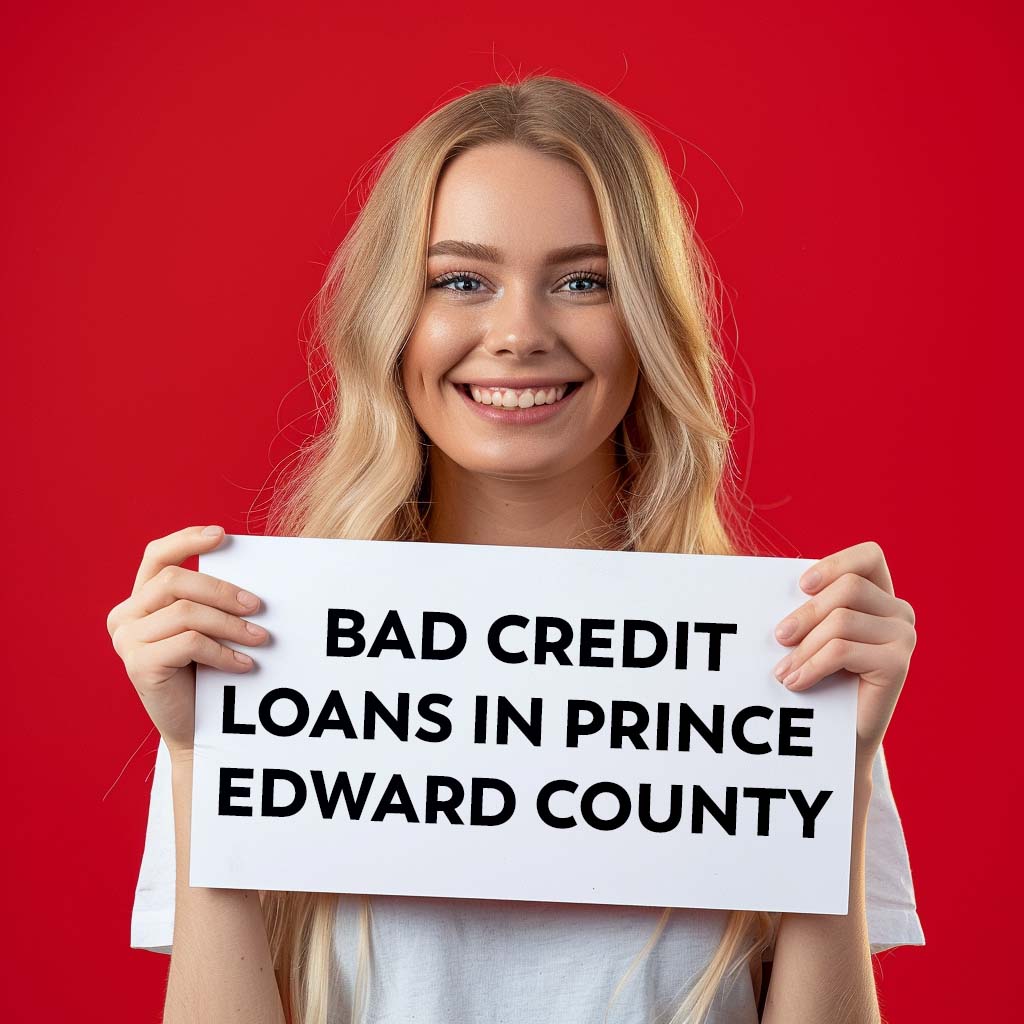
{"x": 520, "y": 201}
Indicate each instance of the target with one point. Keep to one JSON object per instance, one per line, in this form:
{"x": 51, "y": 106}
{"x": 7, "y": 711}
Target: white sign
{"x": 521, "y": 723}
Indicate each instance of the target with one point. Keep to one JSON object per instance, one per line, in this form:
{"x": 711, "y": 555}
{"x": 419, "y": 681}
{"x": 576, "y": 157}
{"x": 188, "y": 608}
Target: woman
{"x": 522, "y": 331}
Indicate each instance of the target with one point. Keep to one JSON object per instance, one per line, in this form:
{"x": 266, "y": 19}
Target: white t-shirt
{"x": 465, "y": 960}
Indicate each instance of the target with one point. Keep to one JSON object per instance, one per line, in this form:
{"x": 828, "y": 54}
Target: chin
{"x": 519, "y": 468}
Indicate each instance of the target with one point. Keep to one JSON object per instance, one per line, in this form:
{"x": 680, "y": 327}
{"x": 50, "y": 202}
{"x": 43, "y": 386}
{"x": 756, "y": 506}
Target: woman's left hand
{"x": 855, "y": 622}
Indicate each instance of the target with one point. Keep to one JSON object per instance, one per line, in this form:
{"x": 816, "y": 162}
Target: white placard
{"x": 735, "y": 792}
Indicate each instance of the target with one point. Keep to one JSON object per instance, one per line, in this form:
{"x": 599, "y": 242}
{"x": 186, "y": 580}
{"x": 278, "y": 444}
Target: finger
{"x": 184, "y": 615}
{"x": 175, "y": 583}
{"x": 174, "y": 549}
{"x": 841, "y": 624}
{"x": 183, "y": 648}
{"x": 867, "y": 560}
{"x": 849, "y": 591}
{"x": 839, "y": 654}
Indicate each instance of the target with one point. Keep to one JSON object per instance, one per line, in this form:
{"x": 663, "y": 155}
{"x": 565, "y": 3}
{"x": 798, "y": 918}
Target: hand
{"x": 855, "y": 622}
{"x": 165, "y": 627}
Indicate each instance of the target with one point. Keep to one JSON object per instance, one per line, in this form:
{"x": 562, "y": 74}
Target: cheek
{"x": 434, "y": 348}
{"x": 425, "y": 361}
{"x": 617, "y": 366}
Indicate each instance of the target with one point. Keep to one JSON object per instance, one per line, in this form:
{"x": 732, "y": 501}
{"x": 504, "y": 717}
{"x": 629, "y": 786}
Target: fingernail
{"x": 212, "y": 531}
{"x": 785, "y": 628}
{"x": 242, "y": 658}
{"x": 782, "y": 667}
{"x": 791, "y": 678}
{"x": 811, "y": 580}
{"x": 247, "y": 600}
{"x": 254, "y": 629}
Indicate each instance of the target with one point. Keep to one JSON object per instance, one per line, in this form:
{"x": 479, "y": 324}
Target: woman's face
{"x": 517, "y": 367}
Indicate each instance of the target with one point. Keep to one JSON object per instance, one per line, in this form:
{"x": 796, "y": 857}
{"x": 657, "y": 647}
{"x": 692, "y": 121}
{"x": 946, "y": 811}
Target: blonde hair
{"x": 365, "y": 475}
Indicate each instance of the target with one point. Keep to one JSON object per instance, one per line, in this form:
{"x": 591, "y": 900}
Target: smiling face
{"x": 517, "y": 367}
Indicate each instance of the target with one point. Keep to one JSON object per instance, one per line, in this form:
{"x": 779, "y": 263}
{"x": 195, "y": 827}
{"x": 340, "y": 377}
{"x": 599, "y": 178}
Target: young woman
{"x": 521, "y": 329}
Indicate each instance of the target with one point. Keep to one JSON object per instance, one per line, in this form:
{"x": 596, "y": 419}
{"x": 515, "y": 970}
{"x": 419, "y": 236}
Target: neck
{"x": 568, "y": 510}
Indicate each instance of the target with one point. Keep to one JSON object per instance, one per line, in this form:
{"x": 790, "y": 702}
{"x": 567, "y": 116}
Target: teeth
{"x": 518, "y": 398}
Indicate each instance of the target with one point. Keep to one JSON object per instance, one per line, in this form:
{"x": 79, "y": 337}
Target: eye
{"x": 589, "y": 277}
{"x": 456, "y": 278}
{"x": 453, "y": 277}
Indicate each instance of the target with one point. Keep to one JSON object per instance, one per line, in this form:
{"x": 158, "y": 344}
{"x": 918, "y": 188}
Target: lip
{"x": 509, "y": 382}
{"x": 516, "y": 417}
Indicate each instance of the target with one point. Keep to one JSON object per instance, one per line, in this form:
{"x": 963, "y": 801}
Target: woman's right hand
{"x": 169, "y": 623}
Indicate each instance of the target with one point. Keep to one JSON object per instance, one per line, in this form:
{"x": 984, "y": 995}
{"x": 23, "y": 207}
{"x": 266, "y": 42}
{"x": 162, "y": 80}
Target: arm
{"x": 173, "y": 620}
{"x": 220, "y": 965}
{"x": 854, "y": 622}
{"x": 822, "y": 967}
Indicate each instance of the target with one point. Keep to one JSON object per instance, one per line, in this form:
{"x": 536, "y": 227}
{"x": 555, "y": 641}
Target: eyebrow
{"x": 490, "y": 254}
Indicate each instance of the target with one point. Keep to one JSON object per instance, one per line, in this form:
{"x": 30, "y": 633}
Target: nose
{"x": 518, "y": 332}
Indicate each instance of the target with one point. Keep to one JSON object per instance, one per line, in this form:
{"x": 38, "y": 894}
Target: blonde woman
{"x": 519, "y": 335}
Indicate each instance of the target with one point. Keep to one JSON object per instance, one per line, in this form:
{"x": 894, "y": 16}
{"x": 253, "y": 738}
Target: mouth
{"x": 518, "y": 406}
{"x": 518, "y": 398}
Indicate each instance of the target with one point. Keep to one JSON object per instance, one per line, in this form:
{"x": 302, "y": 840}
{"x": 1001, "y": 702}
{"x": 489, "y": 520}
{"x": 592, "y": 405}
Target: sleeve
{"x": 152, "y": 925}
{"x": 889, "y": 887}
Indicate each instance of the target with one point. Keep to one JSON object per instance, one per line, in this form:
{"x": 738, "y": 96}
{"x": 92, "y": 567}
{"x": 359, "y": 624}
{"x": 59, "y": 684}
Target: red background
{"x": 174, "y": 185}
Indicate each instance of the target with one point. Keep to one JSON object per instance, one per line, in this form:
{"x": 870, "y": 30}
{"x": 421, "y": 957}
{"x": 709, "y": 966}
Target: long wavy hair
{"x": 365, "y": 474}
